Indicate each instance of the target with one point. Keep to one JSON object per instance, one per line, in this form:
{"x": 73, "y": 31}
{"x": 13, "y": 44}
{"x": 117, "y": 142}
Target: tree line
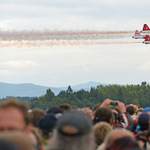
{"x": 129, "y": 94}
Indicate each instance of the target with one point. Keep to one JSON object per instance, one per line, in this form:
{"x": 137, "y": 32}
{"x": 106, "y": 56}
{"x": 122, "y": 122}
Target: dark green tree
{"x": 49, "y": 95}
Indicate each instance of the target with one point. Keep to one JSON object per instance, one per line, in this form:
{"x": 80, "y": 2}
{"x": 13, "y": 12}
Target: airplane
{"x": 147, "y": 40}
{"x": 146, "y": 29}
{"x": 137, "y": 35}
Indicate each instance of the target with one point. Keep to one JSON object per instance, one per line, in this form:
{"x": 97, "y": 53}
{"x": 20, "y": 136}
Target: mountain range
{"x": 32, "y": 90}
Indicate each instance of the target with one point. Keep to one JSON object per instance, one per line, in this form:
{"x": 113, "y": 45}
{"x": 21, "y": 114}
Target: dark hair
{"x": 55, "y": 110}
{"x": 130, "y": 110}
{"x": 105, "y": 114}
{"x": 123, "y": 144}
{"x": 65, "y": 107}
{"x": 95, "y": 107}
{"x": 117, "y": 110}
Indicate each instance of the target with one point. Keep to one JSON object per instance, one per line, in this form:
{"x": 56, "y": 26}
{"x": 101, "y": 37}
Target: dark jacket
{"x": 129, "y": 123}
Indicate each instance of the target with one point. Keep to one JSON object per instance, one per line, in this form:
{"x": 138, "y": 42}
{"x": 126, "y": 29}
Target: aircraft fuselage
{"x": 138, "y": 37}
{"x": 145, "y": 31}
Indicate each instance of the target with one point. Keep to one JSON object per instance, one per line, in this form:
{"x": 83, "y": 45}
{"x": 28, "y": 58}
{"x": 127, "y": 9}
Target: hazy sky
{"x": 70, "y": 65}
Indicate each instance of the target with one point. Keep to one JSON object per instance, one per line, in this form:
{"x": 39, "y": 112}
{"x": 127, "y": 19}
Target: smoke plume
{"x": 46, "y": 34}
{"x": 21, "y": 44}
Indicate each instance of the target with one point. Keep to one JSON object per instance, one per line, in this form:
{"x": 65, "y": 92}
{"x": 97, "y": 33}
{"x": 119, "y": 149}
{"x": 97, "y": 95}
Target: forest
{"x": 129, "y": 94}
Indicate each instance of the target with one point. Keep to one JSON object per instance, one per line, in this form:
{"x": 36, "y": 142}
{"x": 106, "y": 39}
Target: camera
{"x": 115, "y": 103}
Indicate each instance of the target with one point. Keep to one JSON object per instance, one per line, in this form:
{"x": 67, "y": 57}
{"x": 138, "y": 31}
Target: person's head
{"x": 74, "y": 107}
{"x": 146, "y": 110}
{"x": 139, "y": 111}
{"x": 123, "y": 144}
{"x": 100, "y": 131}
{"x": 95, "y": 107}
{"x": 65, "y": 107}
{"x": 143, "y": 121}
{"x": 46, "y": 124}
{"x": 55, "y": 110}
{"x": 130, "y": 110}
{"x": 17, "y": 139}
{"x": 73, "y": 131}
{"x": 117, "y": 134}
{"x": 104, "y": 114}
{"x": 35, "y": 115}
{"x": 14, "y": 116}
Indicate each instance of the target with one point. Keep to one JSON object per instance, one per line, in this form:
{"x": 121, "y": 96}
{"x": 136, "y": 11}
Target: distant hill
{"x": 32, "y": 90}
{"x": 85, "y": 86}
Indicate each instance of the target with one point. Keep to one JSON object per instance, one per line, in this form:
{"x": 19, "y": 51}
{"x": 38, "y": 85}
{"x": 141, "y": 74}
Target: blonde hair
{"x": 100, "y": 131}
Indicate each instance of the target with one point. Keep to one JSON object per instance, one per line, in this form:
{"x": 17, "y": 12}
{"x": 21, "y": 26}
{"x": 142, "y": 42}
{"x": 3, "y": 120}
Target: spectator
{"x": 119, "y": 122}
{"x": 130, "y": 110}
{"x": 18, "y": 139}
{"x": 138, "y": 112}
{"x": 117, "y": 134}
{"x": 55, "y": 110}
{"x": 116, "y": 109}
{"x": 146, "y": 110}
{"x": 124, "y": 144}
{"x": 104, "y": 114}
{"x": 65, "y": 107}
{"x": 46, "y": 124}
{"x": 73, "y": 132}
{"x": 100, "y": 131}
{"x": 142, "y": 140}
{"x": 35, "y": 115}
{"x": 129, "y": 123}
{"x": 74, "y": 107}
{"x": 143, "y": 122}
{"x": 14, "y": 116}
{"x": 95, "y": 107}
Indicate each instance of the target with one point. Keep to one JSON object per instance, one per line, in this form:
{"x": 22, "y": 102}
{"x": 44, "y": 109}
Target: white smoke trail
{"x": 61, "y": 35}
{"x": 55, "y": 43}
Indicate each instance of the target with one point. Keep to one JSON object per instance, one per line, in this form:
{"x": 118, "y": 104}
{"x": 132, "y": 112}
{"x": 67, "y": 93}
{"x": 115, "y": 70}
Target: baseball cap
{"x": 146, "y": 109}
{"x": 47, "y": 122}
{"x": 143, "y": 118}
{"x": 75, "y": 119}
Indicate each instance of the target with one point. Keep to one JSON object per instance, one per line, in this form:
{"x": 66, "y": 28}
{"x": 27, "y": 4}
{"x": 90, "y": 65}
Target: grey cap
{"x": 76, "y": 119}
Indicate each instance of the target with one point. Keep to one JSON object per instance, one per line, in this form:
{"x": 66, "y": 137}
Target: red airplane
{"x": 146, "y": 29}
{"x": 137, "y": 35}
{"x": 147, "y": 40}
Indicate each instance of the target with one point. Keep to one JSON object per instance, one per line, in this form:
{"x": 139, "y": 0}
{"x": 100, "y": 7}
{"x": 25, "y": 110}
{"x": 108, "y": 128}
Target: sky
{"x": 63, "y": 64}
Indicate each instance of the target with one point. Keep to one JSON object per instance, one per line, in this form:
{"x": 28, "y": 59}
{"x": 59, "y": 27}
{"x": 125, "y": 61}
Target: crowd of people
{"x": 105, "y": 127}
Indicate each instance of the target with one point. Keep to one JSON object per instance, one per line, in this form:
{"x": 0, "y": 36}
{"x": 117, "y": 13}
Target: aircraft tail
{"x": 147, "y": 38}
{"x": 145, "y": 27}
{"x": 137, "y": 32}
